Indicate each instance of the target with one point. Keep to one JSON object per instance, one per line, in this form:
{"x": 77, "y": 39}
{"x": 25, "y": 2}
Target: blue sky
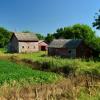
{"x": 45, "y": 16}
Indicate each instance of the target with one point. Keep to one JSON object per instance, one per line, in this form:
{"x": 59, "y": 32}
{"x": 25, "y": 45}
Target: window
{"x": 34, "y": 47}
{"x": 22, "y": 46}
{"x": 28, "y": 47}
{"x": 69, "y": 51}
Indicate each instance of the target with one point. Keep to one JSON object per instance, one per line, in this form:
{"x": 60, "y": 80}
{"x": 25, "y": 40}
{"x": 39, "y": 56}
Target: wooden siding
{"x": 62, "y": 52}
{"x": 27, "y": 47}
{"x": 13, "y": 45}
{"x": 83, "y": 51}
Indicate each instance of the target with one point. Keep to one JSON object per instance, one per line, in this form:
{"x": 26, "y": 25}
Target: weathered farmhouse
{"x": 43, "y": 46}
{"x": 70, "y": 48}
{"x": 23, "y": 43}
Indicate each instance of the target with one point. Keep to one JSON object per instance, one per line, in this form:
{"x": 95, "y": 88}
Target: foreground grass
{"x": 10, "y": 72}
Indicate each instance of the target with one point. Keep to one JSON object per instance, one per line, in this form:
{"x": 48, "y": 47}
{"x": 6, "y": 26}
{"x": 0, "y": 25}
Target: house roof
{"x": 26, "y": 36}
{"x": 65, "y": 43}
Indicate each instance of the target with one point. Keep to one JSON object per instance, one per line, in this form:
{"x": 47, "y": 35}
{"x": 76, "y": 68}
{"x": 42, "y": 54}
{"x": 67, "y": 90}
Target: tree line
{"x": 77, "y": 31}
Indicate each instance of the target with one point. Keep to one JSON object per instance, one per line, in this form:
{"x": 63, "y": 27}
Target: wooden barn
{"x": 71, "y": 48}
{"x": 43, "y": 45}
{"x": 23, "y": 43}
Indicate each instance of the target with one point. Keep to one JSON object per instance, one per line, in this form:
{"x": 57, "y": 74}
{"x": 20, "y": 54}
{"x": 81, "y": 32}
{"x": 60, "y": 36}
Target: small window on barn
{"x": 28, "y": 47}
{"x": 22, "y": 46}
{"x": 69, "y": 51}
{"x": 82, "y": 50}
{"x": 34, "y": 47}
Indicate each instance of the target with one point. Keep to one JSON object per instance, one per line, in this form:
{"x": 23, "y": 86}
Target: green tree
{"x": 5, "y": 36}
{"x": 96, "y": 43}
{"x": 81, "y": 31}
{"x": 77, "y": 31}
{"x": 96, "y": 22}
{"x": 40, "y": 37}
{"x": 49, "y": 38}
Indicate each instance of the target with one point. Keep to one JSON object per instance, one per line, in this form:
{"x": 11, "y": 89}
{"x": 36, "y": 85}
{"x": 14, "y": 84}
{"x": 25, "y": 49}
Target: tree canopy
{"x": 40, "y": 37}
{"x": 5, "y": 36}
{"x": 77, "y": 31}
{"x": 96, "y": 22}
{"x": 49, "y": 38}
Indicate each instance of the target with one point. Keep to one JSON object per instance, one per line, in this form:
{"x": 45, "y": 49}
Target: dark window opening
{"x": 43, "y": 48}
{"x": 28, "y": 47}
{"x": 22, "y": 46}
{"x": 69, "y": 51}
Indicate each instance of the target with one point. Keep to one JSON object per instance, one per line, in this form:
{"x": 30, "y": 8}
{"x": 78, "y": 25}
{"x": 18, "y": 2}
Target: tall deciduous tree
{"x": 77, "y": 31}
{"x": 49, "y": 38}
{"x": 96, "y": 23}
{"x": 5, "y": 36}
{"x": 40, "y": 36}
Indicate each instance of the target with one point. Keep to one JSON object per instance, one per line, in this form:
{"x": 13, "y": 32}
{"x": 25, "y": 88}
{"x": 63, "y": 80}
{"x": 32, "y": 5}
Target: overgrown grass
{"x": 2, "y": 50}
{"x": 10, "y": 72}
{"x": 55, "y": 63}
{"x": 79, "y": 65}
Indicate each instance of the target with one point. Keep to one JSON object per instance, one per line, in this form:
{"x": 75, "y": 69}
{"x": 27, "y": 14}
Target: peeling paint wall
{"x": 28, "y": 47}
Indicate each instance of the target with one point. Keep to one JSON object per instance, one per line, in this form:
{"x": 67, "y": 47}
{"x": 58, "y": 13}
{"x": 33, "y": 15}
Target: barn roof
{"x": 26, "y": 36}
{"x": 65, "y": 43}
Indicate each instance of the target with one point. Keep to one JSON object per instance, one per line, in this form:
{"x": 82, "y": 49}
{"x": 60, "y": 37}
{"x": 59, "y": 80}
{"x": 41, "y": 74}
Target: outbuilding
{"x": 23, "y": 43}
{"x": 43, "y": 45}
{"x": 71, "y": 48}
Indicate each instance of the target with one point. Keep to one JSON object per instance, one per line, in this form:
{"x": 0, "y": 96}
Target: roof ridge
{"x": 21, "y": 36}
{"x": 63, "y": 43}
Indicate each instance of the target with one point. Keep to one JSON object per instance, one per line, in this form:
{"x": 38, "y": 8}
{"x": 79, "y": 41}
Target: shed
{"x": 23, "y": 43}
{"x": 43, "y": 45}
{"x": 70, "y": 48}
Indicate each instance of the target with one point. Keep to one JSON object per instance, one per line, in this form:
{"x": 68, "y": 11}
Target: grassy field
{"x": 79, "y": 87}
{"x": 79, "y": 65}
{"x": 10, "y": 72}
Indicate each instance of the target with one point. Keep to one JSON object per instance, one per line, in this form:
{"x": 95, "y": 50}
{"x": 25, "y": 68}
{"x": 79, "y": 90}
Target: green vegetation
{"x": 78, "y": 65}
{"x": 77, "y": 31}
{"x": 83, "y": 75}
{"x": 49, "y": 38}
{"x": 83, "y": 95}
{"x": 10, "y": 72}
{"x": 40, "y": 36}
{"x": 96, "y": 22}
{"x": 2, "y": 50}
{"x": 5, "y": 36}
{"x": 82, "y": 84}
